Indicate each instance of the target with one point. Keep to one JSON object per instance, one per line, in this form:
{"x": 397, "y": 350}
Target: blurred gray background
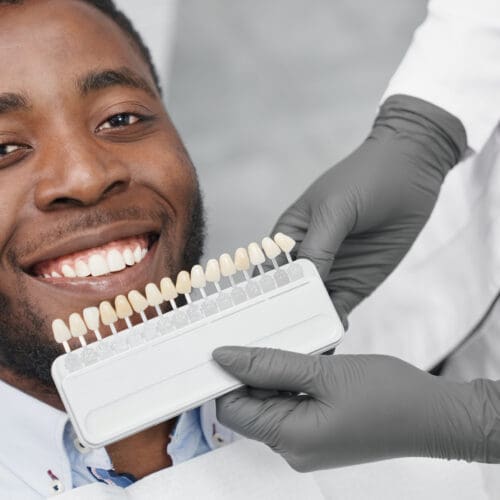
{"x": 268, "y": 94}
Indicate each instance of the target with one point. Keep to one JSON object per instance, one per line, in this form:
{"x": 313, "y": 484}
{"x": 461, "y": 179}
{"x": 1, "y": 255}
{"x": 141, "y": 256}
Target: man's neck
{"x": 139, "y": 455}
{"x": 143, "y": 453}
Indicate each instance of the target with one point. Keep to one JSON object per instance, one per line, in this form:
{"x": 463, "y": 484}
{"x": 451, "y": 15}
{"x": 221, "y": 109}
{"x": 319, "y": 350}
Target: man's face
{"x": 89, "y": 164}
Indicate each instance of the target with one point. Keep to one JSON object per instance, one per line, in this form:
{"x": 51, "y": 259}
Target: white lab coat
{"x": 451, "y": 275}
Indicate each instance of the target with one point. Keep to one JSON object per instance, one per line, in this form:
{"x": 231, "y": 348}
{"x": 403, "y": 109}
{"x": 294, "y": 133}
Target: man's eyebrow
{"x": 103, "y": 79}
{"x": 10, "y": 102}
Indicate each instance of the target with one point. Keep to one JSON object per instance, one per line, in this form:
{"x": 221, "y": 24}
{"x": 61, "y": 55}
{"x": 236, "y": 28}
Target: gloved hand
{"x": 359, "y": 219}
{"x": 356, "y": 409}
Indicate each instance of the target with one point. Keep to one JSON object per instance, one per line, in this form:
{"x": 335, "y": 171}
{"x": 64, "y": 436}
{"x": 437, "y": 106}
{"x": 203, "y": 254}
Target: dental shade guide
{"x": 91, "y": 318}
{"x": 108, "y": 316}
{"x": 158, "y": 367}
{"x": 242, "y": 262}
{"x": 154, "y": 297}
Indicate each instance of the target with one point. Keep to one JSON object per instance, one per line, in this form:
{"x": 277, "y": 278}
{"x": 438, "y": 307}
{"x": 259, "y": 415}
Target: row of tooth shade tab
{"x": 187, "y": 283}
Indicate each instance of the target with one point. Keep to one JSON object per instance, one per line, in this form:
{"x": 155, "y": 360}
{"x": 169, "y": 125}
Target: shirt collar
{"x": 32, "y": 440}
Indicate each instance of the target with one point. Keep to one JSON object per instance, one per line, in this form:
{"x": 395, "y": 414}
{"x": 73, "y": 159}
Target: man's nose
{"x": 79, "y": 175}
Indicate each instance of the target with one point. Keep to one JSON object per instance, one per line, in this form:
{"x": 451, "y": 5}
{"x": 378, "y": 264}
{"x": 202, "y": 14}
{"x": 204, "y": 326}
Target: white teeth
{"x": 284, "y": 242}
{"x": 168, "y": 290}
{"x": 81, "y": 269}
{"x": 115, "y": 261}
{"x": 137, "y": 255}
{"x": 198, "y": 279}
{"x": 68, "y": 271}
{"x": 212, "y": 271}
{"x": 241, "y": 260}
{"x": 61, "y": 331}
{"x": 256, "y": 255}
{"x": 270, "y": 247}
{"x": 153, "y": 295}
{"x": 76, "y": 325}
{"x": 183, "y": 284}
{"x": 128, "y": 257}
{"x": 122, "y": 306}
{"x": 227, "y": 267}
{"x": 91, "y": 318}
{"x": 108, "y": 314}
{"x": 98, "y": 266}
{"x": 138, "y": 301}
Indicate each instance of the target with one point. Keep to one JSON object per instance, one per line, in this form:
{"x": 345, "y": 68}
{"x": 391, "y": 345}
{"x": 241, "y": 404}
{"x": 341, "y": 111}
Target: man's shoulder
{"x": 12, "y": 487}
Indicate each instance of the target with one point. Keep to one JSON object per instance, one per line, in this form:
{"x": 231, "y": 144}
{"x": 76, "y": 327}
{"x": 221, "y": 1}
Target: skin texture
{"x": 69, "y": 181}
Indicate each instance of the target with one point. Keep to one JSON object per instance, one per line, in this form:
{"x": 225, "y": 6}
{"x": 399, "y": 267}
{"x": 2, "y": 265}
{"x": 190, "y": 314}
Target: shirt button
{"x": 217, "y": 440}
{"x": 80, "y": 447}
{"x": 56, "y": 487}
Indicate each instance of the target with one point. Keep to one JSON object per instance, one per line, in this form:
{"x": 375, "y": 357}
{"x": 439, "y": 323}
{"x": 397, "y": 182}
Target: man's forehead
{"x": 61, "y": 41}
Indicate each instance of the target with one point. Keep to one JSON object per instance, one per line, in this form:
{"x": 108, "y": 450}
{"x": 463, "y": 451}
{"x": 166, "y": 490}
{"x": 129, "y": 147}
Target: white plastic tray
{"x": 160, "y": 378}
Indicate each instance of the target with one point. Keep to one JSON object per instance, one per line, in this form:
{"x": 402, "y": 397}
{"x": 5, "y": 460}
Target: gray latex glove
{"x": 359, "y": 219}
{"x": 356, "y": 409}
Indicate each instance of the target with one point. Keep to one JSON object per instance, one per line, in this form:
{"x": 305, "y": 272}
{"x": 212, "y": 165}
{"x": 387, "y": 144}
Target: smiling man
{"x": 91, "y": 169}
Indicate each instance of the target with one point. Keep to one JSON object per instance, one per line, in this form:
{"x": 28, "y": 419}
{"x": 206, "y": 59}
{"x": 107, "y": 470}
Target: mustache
{"x": 85, "y": 221}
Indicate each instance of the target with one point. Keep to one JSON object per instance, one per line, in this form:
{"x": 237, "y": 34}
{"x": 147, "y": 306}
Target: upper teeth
{"x": 101, "y": 263}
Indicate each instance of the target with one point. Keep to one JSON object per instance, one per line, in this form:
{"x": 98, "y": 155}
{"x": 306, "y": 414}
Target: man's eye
{"x": 6, "y": 149}
{"x": 120, "y": 120}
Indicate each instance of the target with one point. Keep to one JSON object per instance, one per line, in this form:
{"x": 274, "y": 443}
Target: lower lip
{"x": 111, "y": 284}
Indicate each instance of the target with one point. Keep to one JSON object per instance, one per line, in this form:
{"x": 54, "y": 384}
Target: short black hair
{"x": 109, "y": 8}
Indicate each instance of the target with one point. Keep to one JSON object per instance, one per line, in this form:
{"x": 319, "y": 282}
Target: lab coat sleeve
{"x": 454, "y": 62}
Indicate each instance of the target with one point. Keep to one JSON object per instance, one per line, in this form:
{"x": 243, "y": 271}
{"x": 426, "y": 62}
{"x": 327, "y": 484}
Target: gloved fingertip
{"x": 228, "y": 356}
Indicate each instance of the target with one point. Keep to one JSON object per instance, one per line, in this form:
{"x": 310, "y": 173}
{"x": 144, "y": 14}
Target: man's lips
{"x": 92, "y": 290}
{"x": 98, "y": 261}
{"x": 120, "y": 236}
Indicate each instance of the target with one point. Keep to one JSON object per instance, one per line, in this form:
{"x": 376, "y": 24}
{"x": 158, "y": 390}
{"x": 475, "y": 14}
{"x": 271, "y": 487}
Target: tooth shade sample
{"x": 81, "y": 269}
{"x": 122, "y": 307}
{"x": 153, "y": 295}
{"x": 284, "y": 242}
{"x": 91, "y": 318}
{"x": 98, "y": 265}
{"x": 68, "y": 271}
{"x": 256, "y": 254}
{"x": 128, "y": 257}
{"x": 61, "y": 331}
{"x": 183, "y": 283}
{"x": 270, "y": 248}
{"x": 108, "y": 314}
{"x": 168, "y": 290}
{"x": 241, "y": 260}
{"x": 115, "y": 260}
{"x": 138, "y": 301}
{"x": 76, "y": 325}
{"x": 227, "y": 267}
{"x": 198, "y": 279}
{"x": 212, "y": 271}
